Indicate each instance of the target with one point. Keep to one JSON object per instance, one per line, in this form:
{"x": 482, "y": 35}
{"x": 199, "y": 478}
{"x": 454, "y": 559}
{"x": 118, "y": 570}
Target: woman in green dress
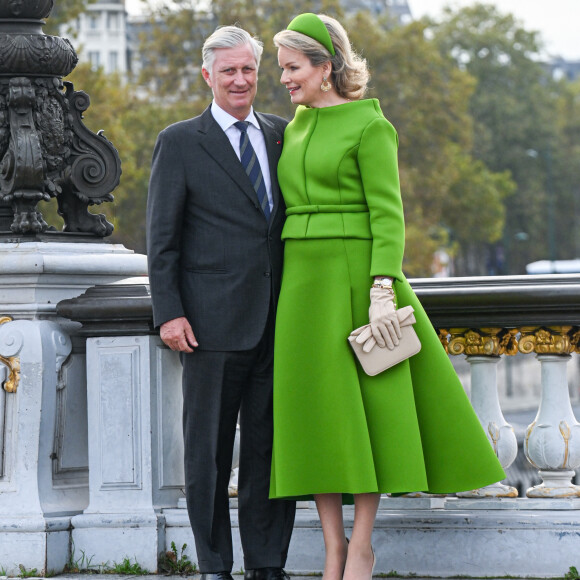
{"x": 340, "y": 435}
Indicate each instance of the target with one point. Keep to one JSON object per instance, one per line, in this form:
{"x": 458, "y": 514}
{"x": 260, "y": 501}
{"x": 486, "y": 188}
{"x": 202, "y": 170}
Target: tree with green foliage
{"x": 171, "y": 42}
{"x": 170, "y": 51}
{"x": 513, "y": 108}
{"x": 566, "y": 169}
{"x": 426, "y": 96}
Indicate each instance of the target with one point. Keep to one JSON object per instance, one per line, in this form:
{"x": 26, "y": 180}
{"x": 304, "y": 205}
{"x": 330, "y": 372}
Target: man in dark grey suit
{"x": 214, "y": 219}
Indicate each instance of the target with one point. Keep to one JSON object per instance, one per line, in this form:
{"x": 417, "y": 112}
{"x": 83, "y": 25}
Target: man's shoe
{"x": 268, "y": 574}
{"x": 216, "y": 576}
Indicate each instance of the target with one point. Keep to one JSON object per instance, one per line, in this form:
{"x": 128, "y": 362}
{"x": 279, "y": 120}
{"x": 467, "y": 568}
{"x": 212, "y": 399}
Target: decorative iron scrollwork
{"x": 22, "y": 168}
{"x": 45, "y": 149}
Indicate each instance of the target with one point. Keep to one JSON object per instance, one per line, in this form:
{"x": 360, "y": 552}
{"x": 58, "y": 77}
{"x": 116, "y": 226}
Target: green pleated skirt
{"x": 337, "y": 430}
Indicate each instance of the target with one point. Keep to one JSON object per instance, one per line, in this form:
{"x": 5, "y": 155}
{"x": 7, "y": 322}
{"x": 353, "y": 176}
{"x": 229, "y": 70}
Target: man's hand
{"x": 178, "y": 335}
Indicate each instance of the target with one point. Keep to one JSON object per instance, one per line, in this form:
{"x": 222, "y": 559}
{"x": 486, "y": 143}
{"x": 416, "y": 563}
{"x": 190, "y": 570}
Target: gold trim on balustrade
{"x": 477, "y": 342}
{"x": 548, "y": 339}
{"x": 13, "y": 364}
{"x": 509, "y": 341}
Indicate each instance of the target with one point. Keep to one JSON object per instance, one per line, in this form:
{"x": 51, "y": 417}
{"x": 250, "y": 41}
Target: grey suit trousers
{"x": 217, "y": 386}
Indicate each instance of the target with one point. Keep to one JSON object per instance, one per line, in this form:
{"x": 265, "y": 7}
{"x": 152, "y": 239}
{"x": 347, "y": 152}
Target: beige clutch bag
{"x": 379, "y": 358}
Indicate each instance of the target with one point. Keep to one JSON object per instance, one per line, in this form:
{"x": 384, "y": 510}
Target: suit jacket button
{"x": 267, "y": 274}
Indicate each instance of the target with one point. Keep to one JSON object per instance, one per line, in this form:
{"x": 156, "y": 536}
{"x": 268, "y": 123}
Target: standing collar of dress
{"x": 359, "y": 102}
{"x": 225, "y": 120}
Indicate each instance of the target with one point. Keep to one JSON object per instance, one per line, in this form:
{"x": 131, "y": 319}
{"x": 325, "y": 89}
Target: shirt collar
{"x": 225, "y": 120}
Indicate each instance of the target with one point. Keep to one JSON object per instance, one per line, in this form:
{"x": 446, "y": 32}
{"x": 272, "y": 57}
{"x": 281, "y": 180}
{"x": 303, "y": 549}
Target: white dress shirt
{"x": 226, "y": 122}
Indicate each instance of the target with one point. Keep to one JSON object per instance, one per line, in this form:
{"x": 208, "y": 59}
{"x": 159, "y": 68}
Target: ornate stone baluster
{"x": 483, "y": 349}
{"x": 552, "y": 442}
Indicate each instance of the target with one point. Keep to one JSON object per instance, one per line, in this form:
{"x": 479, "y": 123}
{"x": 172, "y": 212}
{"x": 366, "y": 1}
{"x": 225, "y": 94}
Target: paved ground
{"x": 196, "y": 577}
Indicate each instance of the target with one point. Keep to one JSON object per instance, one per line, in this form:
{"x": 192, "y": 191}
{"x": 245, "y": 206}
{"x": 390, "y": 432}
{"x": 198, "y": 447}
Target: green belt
{"x": 328, "y": 221}
{"x": 347, "y": 208}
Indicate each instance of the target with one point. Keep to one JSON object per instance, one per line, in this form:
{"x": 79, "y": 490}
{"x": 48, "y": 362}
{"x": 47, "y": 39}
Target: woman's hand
{"x": 383, "y": 328}
{"x": 383, "y": 318}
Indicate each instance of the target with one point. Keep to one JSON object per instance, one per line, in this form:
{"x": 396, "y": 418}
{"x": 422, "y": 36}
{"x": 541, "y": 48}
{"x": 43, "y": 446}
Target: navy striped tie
{"x": 252, "y": 167}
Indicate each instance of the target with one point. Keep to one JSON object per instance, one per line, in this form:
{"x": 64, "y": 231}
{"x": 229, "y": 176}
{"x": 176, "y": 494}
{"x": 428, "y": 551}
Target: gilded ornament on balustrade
{"x": 575, "y": 340}
{"x": 443, "y": 335}
{"x": 13, "y": 365}
{"x": 566, "y": 432}
{"x": 508, "y": 343}
{"x": 527, "y": 442}
{"x": 546, "y": 340}
{"x": 483, "y": 341}
{"x": 456, "y": 344}
{"x": 494, "y": 434}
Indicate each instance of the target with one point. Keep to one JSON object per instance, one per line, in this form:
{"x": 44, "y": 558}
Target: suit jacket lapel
{"x": 273, "y": 139}
{"x": 218, "y": 146}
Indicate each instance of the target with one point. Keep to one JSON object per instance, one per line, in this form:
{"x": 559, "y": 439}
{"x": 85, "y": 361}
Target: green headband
{"x": 310, "y": 25}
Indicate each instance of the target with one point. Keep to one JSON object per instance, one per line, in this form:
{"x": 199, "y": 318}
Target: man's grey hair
{"x": 229, "y": 37}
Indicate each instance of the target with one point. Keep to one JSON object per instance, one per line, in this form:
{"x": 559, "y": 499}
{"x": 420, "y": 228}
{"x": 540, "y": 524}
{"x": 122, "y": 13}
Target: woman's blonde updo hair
{"x": 349, "y": 71}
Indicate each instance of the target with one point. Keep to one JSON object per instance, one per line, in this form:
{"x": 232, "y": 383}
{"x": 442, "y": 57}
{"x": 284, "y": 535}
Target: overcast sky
{"x": 557, "y": 20}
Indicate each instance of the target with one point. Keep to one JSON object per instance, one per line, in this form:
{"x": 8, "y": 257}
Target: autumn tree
{"x": 513, "y": 108}
{"x": 426, "y": 96}
{"x": 170, "y": 52}
{"x": 172, "y": 38}
{"x": 565, "y": 170}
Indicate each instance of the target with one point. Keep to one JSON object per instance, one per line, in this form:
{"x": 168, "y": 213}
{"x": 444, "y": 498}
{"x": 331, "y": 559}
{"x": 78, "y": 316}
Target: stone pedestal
{"x": 43, "y": 405}
{"x": 32, "y": 530}
{"x": 134, "y": 403}
{"x": 134, "y": 417}
{"x": 36, "y": 275}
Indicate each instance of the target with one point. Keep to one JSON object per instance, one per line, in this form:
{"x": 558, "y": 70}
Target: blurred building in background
{"x": 101, "y": 36}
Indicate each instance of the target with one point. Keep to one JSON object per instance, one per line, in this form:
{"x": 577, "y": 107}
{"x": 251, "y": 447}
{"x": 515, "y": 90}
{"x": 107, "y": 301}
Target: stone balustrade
{"x": 103, "y": 352}
{"x": 490, "y": 317}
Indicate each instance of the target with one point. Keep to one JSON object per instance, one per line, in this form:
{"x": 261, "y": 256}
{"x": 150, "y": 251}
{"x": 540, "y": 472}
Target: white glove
{"x": 383, "y": 328}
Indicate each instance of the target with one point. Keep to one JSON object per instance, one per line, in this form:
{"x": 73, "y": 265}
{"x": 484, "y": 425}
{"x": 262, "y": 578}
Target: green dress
{"x": 337, "y": 430}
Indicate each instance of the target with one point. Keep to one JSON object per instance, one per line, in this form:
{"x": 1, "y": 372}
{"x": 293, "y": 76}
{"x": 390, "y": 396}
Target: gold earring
{"x": 325, "y": 86}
